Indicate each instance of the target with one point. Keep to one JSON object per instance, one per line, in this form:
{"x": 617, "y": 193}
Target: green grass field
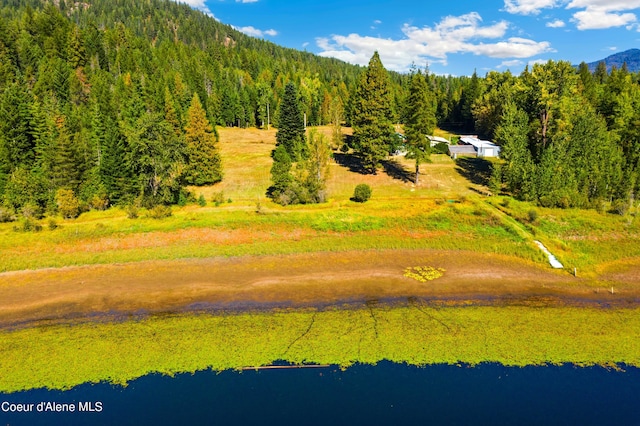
{"x": 448, "y": 210}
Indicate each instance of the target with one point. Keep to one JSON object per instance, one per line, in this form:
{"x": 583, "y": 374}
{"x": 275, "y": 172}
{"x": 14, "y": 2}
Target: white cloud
{"x": 255, "y": 32}
{"x": 613, "y": 48}
{"x": 197, "y": 4}
{"x": 246, "y": 1}
{"x": 593, "y": 19}
{"x": 537, "y": 62}
{"x": 453, "y": 34}
{"x": 528, "y": 7}
{"x": 512, "y": 63}
{"x": 602, "y": 14}
{"x": 556, "y": 24}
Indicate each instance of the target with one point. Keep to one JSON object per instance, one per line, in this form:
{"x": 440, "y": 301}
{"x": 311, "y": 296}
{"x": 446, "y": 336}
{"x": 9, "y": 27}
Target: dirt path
{"x": 294, "y": 280}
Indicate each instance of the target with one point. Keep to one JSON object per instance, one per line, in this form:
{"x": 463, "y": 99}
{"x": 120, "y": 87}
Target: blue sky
{"x": 452, "y": 37}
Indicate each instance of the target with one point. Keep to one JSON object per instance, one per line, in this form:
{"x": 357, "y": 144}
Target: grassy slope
{"x": 399, "y": 215}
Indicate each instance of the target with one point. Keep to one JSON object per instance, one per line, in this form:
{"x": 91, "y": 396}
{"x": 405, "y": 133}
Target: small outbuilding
{"x": 435, "y": 140}
{"x": 482, "y": 148}
{"x": 456, "y": 151}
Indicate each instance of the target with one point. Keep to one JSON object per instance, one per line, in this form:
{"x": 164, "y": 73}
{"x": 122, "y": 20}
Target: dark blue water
{"x": 386, "y": 394}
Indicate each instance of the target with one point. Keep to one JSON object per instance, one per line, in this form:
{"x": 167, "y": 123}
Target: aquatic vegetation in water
{"x": 421, "y": 333}
{"x": 424, "y": 273}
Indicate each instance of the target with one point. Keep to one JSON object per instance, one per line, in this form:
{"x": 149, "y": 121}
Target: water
{"x": 384, "y": 394}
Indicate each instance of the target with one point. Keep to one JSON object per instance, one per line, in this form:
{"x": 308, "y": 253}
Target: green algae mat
{"x": 62, "y": 356}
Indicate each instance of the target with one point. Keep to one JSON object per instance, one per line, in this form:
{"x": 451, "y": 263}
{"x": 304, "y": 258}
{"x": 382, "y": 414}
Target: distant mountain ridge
{"x": 631, "y": 57}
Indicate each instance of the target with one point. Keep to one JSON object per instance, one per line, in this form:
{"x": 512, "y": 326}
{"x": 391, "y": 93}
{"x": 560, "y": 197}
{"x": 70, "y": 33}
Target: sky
{"x": 455, "y": 37}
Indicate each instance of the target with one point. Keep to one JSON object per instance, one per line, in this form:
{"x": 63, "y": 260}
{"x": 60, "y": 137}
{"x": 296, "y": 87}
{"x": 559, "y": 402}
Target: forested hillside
{"x": 95, "y": 97}
{"x": 109, "y": 101}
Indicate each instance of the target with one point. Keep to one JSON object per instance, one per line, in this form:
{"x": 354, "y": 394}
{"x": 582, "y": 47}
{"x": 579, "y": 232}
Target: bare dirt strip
{"x": 301, "y": 280}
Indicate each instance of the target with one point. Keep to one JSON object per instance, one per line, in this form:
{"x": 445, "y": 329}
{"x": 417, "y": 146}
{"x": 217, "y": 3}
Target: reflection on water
{"x": 383, "y": 394}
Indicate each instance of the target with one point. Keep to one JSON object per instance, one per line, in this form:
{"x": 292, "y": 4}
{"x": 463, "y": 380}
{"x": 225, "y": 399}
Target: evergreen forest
{"x": 113, "y": 102}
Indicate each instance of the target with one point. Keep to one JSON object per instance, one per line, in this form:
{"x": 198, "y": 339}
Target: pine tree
{"x": 421, "y": 119}
{"x": 170, "y": 113}
{"x": 16, "y": 139}
{"x": 291, "y": 132}
{"x": 372, "y": 115}
{"x": 76, "y": 49}
{"x": 281, "y": 178}
{"x": 204, "y": 166}
{"x": 64, "y": 173}
{"x": 469, "y": 96}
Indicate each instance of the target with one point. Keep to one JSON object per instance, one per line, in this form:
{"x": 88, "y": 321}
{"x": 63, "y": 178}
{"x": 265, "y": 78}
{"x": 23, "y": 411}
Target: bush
{"x": 99, "y": 202}
{"x": 28, "y": 225}
{"x": 131, "y": 210}
{"x": 53, "y": 224}
{"x": 68, "y": 204}
{"x": 160, "y": 212}
{"x": 532, "y": 215}
{"x": 6, "y": 215}
{"x": 182, "y": 199}
{"x": 202, "y": 201}
{"x": 620, "y": 207}
{"x": 218, "y": 198}
{"x": 362, "y": 193}
{"x": 441, "y": 148}
{"x": 32, "y": 211}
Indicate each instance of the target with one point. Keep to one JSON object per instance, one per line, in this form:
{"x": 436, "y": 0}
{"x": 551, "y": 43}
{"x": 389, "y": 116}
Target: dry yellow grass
{"x": 247, "y": 163}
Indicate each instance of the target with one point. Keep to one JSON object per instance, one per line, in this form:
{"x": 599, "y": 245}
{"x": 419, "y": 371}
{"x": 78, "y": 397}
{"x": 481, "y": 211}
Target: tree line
{"x": 117, "y": 102}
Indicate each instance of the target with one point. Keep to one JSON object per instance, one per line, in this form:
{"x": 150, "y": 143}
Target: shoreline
{"x": 300, "y": 281}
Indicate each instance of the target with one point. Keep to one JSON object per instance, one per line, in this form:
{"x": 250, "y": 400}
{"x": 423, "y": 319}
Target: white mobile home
{"x": 482, "y": 148}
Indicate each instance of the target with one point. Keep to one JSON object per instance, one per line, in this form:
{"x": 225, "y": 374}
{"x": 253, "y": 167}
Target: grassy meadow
{"x": 450, "y": 210}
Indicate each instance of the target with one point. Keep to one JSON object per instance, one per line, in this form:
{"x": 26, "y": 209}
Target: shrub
{"x": 362, "y": 193}
{"x": 182, "y": 199}
{"x": 28, "y": 225}
{"x": 160, "y": 212}
{"x": 32, "y": 211}
{"x": 218, "y": 198}
{"x": 532, "y": 215}
{"x": 99, "y": 202}
{"x": 620, "y": 207}
{"x": 202, "y": 201}
{"x": 53, "y": 224}
{"x": 68, "y": 204}
{"x": 6, "y": 215}
{"x": 132, "y": 211}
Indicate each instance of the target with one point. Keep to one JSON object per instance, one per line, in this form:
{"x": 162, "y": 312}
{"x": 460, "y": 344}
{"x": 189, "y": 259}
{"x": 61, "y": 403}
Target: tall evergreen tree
{"x": 511, "y": 135}
{"x": 471, "y": 93}
{"x": 421, "y": 119}
{"x": 372, "y": 115}
{"x": 281, "y": 178}
{"x": 291, "y": 132}
{"x": 204, "y": 166}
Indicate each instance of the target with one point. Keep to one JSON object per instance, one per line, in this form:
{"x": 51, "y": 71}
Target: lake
{"x": 387, "y": 393}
